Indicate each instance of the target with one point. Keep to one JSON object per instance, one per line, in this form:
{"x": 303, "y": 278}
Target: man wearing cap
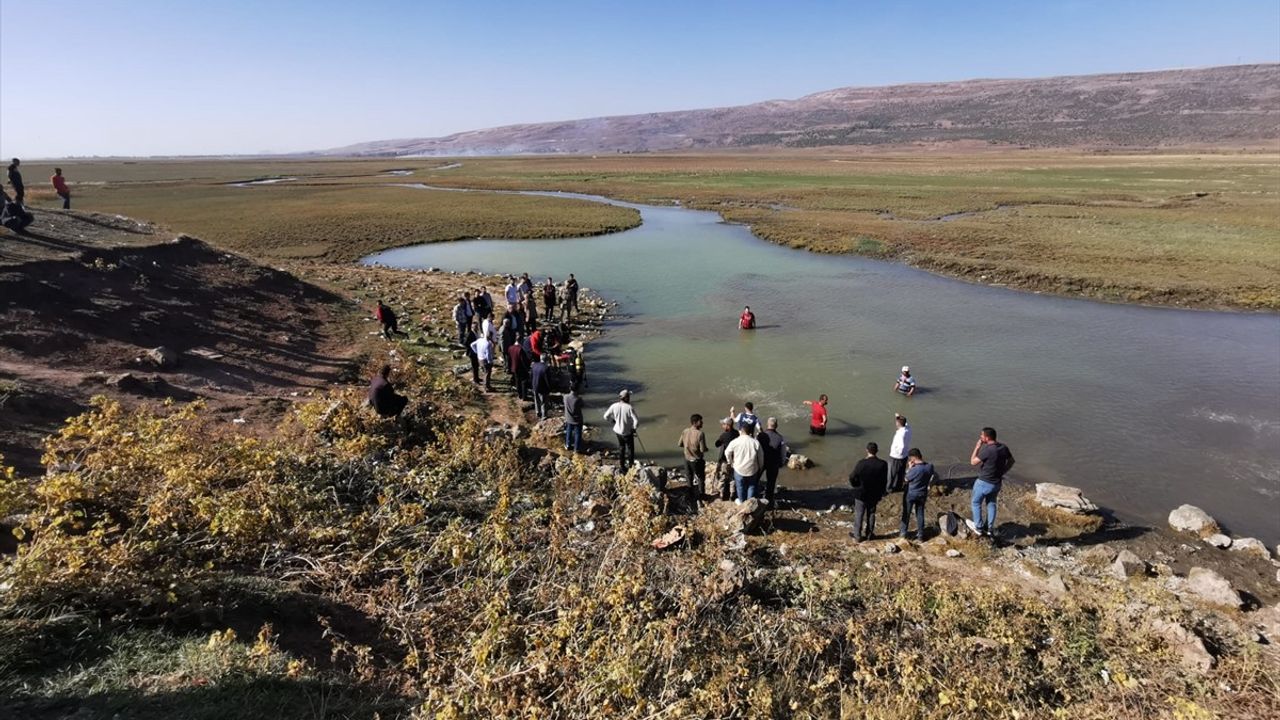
{"x": 727, "y": 436}
{"x": 624, "y": 422}
{"x": 898, "y": 452}
{"x": 905, "y": 384}
{"x": 746, "y": 458}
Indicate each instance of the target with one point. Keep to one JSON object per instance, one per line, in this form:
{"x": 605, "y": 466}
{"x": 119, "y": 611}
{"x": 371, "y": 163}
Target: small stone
{"x": 163, "y": 357}
{"x": 953, "y": 553}
{"x": 1054, "y": 551}
{"x": 1189, "y": 518}
{"x": 1218, "y": 540}
{"x": 1190, "y": 648}
{"x": 891, "y": 548}
{"x": 1127, "y": 564}
{"x": 1057, "y": 585}
{"x": 1253, "y": 546}
{"x": 1211, "y": 587}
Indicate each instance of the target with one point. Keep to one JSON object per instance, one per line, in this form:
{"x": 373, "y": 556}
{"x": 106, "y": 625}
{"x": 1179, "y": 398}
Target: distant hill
{"x": 1235, "y": 105}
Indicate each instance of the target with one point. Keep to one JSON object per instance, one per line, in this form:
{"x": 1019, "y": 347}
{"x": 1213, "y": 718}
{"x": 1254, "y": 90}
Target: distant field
{"x": 1196, "y": 230}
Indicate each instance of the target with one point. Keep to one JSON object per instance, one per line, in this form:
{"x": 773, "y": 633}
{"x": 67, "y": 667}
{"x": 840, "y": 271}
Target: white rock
{"x": 1212, "y": 588}
{"x": 799, "y": 462}
{"x": 1189, "y": 518}
{"x": 891, "y": 548}
{"x": 1057, "y": 585}
{"x": 1064, "y": 497}
{"x": 1218, "y": 540}
{"x": 953, "y": 553}
{"x": 1253, "y": 546}
{"x": 1127, "y": 564}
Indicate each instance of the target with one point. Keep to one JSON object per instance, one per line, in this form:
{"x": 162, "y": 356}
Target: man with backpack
{"x": 993, "y": 460}
{"x": 919, "y": 475}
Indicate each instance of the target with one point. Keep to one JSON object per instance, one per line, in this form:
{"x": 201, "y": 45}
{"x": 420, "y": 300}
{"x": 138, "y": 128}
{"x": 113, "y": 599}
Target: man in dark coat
{"x": 868, "y": 480}
{"x": 383, "y": 397}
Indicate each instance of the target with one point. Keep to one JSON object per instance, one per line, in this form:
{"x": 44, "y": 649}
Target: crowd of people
{"x": 541, "y": 362}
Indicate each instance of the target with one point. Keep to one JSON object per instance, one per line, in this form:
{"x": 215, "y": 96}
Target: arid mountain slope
{"x": 1232, "y": 106}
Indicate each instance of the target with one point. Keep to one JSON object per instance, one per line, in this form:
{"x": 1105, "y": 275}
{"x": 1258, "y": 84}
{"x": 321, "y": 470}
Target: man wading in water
{"x": 818, "y": 420}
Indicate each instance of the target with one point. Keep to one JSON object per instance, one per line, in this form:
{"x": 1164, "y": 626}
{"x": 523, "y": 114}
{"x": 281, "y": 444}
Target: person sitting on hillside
{"x": 747, "y": 321}
{"x": 390, "y": 323}
{"x": 383, "y": 397}
{"x": 905, "y": 384}
{"x": 13, "y": 215}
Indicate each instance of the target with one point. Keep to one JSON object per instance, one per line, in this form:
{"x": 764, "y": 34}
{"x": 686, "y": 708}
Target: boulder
{"x": 1189, "y": 518}
{"x": 1127, "y": 564}
{"x": 953, "y": 553}
{"x": 1189, "y": 647}
{"x": 727, "y": 581}
{"x": 746, "y": 517}
{"x": 1252, "y": 546}
{"x": 163, "y": 357}
{"x": 1063, "y": 497}
{"x": 655, "y": 476}
{"x": 1210, "y": 587}
{"x": 552, "y": 427}
{"x": 1218, "y": 540}
{"x": 799, "y": 462}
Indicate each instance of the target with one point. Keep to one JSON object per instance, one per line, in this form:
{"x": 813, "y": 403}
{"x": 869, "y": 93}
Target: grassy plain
{"x": 1197, "y": 230}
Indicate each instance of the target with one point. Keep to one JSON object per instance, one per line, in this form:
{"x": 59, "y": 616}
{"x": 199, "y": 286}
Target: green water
{"x": 1144, "y": 408}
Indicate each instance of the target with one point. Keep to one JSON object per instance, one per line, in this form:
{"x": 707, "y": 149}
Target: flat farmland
{"x": 1179, "y": 229}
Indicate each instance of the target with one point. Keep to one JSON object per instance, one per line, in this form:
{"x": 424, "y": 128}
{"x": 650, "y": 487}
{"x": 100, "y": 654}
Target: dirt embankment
{"x": 86, "y": 298}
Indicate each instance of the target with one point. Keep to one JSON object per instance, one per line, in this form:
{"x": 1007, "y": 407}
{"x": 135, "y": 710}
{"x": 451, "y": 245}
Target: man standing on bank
{"x": 625, "y": 423}
{"x": 993, "y": 459}
{"x": 775, "y": 456}
{"x": 868, "y": 481}
{"x": 694, "y": 442}
{"x": 898, "y": 453}
{"x": 573, "y": 420}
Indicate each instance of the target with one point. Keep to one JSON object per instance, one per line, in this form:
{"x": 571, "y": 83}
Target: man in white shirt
{"x": 624, "y": 422}
{"x": 746, "y": 457}
{"x": 898, "y": 453}
{"x": 484, "y": 355}
{"x": 512, "y": 291}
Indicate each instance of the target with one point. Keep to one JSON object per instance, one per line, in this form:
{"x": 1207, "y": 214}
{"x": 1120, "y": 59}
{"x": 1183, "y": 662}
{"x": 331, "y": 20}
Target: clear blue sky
{"x": 142, "y": 77}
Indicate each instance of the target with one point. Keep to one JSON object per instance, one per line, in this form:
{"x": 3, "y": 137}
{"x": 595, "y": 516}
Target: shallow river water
{"x": 1143, "y": 408}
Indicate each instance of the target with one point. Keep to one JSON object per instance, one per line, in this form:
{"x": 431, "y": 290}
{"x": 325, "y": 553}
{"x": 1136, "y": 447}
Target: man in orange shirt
{"x": 60, "y": 187}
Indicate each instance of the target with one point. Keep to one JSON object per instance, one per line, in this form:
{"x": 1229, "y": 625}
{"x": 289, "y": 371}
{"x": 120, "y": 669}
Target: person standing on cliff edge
{"x": 15, "y": 179}
{"x": 60, "y": 187}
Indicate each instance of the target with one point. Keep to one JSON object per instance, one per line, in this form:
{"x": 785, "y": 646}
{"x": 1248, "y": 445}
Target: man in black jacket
{"x": 868, "y": 480}
{"x": 15, "y": 179}
{"x": 383, "y": 397}
{"x": 775, "y": 456}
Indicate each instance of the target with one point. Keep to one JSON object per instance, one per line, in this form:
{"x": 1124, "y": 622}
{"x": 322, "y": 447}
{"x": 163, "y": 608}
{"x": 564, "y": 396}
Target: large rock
{"x": 1252, "y": 546}
{"x": 1210, "y": 587}
{"x": 163, "y": 357}
{"x": 552, "y": 427}
{"x": 799, "y": 462}
{"x": 746, "y": 517}
{"x": 1189, "y": 647}
{"x": 1063, "y": 497}
{"x": 1189, "y": 518}
{"x": 655, "y": 476}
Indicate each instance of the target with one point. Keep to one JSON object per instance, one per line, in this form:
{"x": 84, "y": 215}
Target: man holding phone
{"x": 993, "y": 459}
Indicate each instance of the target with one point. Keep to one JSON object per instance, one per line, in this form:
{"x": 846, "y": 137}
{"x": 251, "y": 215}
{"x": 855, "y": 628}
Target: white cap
{"x": 906, "y": 369}
{"x": 624, "y": 393}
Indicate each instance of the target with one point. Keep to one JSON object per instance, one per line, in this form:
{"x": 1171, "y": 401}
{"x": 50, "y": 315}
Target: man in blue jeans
{"x": 993, "y": 459}
{"x": 573, "y": 420}
{"x": 746, "y": 458}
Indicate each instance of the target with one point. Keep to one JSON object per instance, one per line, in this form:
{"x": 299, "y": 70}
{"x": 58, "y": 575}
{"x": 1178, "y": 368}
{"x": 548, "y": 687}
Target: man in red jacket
{"x": 60, "y": 187}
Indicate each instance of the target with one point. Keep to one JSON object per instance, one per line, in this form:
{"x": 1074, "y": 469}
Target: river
{"x": 1144, "y": 408}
